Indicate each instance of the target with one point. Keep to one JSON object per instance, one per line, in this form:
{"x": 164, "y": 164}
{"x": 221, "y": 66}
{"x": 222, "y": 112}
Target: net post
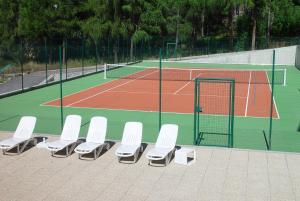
{"x": 104, "y": 70}
{"x": 61, "y": 89}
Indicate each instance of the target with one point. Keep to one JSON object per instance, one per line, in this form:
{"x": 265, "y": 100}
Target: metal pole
{"x": 46, "y": 60}
{"x": 160, "y": 88}
{"x": 21, "y": 62}
{"x": 232, "y": 110}
{"x": 195, "y": 109}
{"x": 82, "y": 53}
{"x": 61, "y": 89}
{"x": 66, "y": 56}
{"x": 272, "y": 103}
{"x": 96, "y": 56}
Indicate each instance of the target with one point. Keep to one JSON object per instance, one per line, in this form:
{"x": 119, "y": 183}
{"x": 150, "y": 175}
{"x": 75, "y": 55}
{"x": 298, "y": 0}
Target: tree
{"x": 9, "y": 17}
{"x": 256, "y": 11}
{"x": 177, "y": 23}
{"x": 230, "y": 9}
{"x": 132, "y": 11}
{"x": 48, "y": 19}
{"x": 286, "y": 18}
{"x": 95, "y": 24}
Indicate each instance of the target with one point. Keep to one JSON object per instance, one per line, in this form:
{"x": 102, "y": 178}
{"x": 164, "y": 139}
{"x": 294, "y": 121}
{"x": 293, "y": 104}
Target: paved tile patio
{"x": 218, "y": 174}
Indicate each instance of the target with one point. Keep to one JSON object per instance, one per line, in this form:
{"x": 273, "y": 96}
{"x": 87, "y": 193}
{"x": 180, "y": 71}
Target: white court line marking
{"x": 101, "y": 92}
{"x": 176, "y": 92}
{"x": 271, "y": 94}
{"x": 247, "y": 101}
{"x": 182, "y": 87}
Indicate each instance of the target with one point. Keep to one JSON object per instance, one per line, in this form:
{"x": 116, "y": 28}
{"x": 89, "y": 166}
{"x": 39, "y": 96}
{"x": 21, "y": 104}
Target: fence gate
{"x": 214, "y": 112}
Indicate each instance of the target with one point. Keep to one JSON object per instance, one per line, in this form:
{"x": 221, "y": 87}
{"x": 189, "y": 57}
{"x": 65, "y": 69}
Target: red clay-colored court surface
{"x": 134, "y": 94}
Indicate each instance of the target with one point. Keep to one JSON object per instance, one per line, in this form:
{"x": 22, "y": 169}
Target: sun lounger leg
{"x": 33, "y": 140}
{"x": 135, "y": 156}
{"x": 141, "y": 149}
{"x": 18, "y": 148}
{"x": 71, "y": 149}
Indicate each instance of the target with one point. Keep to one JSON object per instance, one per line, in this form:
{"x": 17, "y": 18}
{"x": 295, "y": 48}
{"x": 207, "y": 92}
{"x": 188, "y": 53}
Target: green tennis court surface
{"x": 247, "y": 132}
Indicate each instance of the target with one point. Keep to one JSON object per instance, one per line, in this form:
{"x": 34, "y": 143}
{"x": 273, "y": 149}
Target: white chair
{"x": 95, "y": 140}
{"x": 131, "y": 141}
{"x": 22, "y": 136}
{"x": 69, "y": 136}
{"x": 165, "y": 144}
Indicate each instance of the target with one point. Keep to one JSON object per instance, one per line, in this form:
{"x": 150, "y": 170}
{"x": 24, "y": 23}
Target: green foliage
{"x": 143, "y": 20}
{"x": 286, "y": 18}
{"x": 8, "y": 21}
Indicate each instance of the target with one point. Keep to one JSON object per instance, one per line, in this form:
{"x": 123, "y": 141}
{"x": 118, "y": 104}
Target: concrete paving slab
{"x": 218, "y": 174}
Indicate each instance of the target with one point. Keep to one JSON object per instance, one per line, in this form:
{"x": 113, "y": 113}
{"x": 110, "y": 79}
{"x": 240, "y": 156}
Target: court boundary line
{"x": 176, "y": 92}
{"x": 247, "y": 101}
{"x": 273, "y": 96}
{"x": 188, "y": 82}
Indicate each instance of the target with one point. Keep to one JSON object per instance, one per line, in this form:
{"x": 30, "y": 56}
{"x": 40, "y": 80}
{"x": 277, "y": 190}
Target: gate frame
{"x": 198, "y": 109}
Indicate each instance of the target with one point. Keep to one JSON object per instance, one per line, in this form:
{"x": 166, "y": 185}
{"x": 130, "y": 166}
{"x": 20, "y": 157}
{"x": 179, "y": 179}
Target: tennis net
{"x": 259, "y": 76}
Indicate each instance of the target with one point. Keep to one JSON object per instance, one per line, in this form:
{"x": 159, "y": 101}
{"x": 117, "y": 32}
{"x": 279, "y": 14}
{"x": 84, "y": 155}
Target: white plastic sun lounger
{"x": 165, "y": 144}
{"x": 131, "y": 141}
{"x": 95, "y": 140}
{"x": 69, "y": 136}
{"x": 22, "y": 136}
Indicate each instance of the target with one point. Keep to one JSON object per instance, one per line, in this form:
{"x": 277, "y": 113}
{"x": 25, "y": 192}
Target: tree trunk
{"x": 253, "y": 34}
{"x": 231, "y": 28}
{"x": 97, "y": 53}
{"x": 202, "y": 22}
{"x": 269, "y": 27}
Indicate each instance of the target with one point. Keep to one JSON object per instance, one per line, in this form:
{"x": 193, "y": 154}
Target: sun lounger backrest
{"x": 132, "y": 134}
{"x": 25, "y": 127}
{"x": 97, "y": 130}
{"x": 71, "y": 128}
{"x": 167, "y": 136}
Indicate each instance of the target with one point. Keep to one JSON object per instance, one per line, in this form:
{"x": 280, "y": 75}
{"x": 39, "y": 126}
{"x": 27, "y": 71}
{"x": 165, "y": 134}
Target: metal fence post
{"x": 272, "y": 102}
{"x": 61, "y": 88}
{"x": 160, "y": 88}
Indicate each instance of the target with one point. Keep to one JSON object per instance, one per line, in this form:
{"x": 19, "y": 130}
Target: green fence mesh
{"x": 29, "y": 65}
{"x": 214, "y": 112}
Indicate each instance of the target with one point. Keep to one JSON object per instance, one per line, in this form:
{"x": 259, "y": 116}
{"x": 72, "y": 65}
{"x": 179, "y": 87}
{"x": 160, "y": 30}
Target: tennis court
{"x": 130, "y": 93}
{"x": 136, "y": 89}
